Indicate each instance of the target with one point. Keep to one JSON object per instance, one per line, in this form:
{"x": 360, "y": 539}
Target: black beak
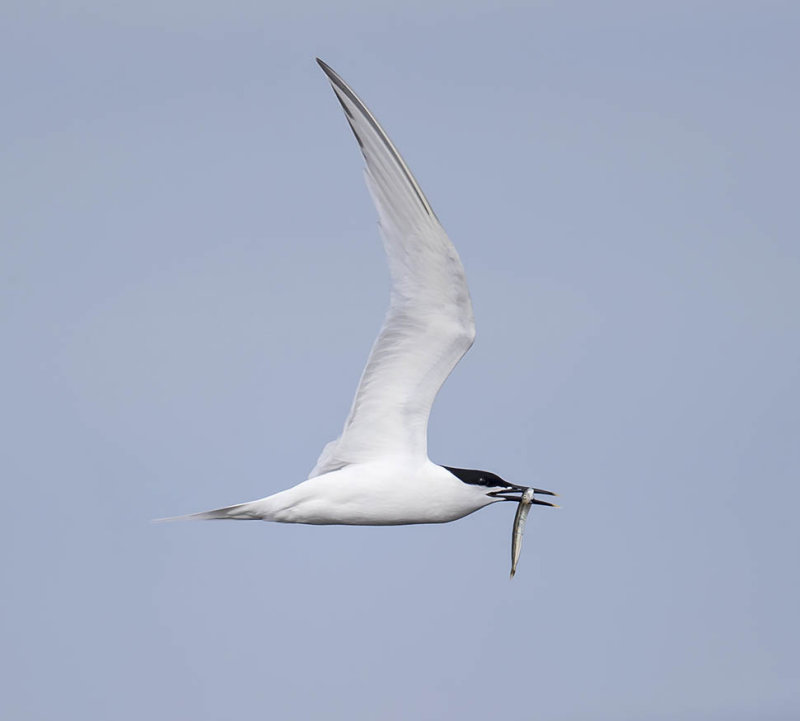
{"x": 514, "y": 493}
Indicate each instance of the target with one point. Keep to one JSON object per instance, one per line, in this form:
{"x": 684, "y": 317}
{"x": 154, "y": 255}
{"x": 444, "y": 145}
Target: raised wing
{"x": 429, "y": 325}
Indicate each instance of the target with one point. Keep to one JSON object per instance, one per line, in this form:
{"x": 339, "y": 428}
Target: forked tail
{"x": 239, "y": 512}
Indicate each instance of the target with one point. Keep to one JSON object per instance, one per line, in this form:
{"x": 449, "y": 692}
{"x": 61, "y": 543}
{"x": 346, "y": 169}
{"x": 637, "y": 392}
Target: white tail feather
{"x": 239, "y": 512}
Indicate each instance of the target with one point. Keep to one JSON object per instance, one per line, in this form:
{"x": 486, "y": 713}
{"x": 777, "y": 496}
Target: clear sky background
{"x": 191, "y": 281}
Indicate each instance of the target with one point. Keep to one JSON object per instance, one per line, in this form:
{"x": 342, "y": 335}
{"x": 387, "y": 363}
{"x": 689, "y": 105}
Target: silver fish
{"x": 523, "y": 509}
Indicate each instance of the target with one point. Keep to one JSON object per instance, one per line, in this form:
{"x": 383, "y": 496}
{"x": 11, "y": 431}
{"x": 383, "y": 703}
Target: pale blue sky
{"x": 191, "y": 281}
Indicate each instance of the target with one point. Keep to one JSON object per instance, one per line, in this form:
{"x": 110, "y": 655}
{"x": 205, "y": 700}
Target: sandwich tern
{"x": 378, "y": 472}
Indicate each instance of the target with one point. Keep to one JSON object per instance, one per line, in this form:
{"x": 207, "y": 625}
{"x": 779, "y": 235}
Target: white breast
{"x": 389, "y": 492}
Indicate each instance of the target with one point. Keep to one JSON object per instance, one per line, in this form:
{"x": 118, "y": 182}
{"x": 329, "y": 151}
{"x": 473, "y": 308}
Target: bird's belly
{"x": 347, "y": 499}
{"x": 354, "y": 515}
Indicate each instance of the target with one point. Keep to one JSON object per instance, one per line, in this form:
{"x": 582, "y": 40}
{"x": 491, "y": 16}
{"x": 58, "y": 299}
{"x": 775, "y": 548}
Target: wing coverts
{"x": 429, "y": 325}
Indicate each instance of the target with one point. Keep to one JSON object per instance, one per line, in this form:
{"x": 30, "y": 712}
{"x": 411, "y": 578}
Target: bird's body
{"x": 388, "y": 492}
{"x": 378, "y": 472}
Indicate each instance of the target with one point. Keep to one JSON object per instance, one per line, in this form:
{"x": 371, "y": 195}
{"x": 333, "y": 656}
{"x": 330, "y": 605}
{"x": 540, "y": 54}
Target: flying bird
{"x": 377, "y": 472}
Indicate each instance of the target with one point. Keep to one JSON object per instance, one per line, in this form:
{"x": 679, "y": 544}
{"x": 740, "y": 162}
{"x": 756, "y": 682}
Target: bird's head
{"x": 496, "y": 487}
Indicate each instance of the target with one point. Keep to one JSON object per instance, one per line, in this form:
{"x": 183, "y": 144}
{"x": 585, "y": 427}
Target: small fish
{"x": 523, "y": 509}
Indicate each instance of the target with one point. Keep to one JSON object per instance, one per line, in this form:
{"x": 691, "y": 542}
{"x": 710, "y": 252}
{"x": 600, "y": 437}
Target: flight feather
{"x": 429, "y": 325}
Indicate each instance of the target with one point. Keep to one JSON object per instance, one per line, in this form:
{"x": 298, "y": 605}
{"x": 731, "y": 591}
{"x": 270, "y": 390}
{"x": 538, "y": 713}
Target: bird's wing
{"x": 429, "y": 325}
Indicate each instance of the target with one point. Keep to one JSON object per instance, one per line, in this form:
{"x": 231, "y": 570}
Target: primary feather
{"x": 429, "y": 325}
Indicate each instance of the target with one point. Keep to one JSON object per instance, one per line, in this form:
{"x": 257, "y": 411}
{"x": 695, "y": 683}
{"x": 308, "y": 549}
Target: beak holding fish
{"x": 526, "y": 500}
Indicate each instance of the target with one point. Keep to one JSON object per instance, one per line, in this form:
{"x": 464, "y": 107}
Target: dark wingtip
{"x": 327, "y": 69}
{"x": 340, "y": 87}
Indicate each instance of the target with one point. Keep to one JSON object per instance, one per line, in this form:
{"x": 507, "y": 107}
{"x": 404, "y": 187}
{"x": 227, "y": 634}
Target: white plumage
{"x": 429, "y": 325}
{"x": 377, "y": 472}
